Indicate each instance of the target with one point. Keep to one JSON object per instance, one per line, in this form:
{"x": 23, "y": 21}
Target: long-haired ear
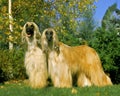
{"x": 55, "y": 41}
{"x": 23, "y": 34}
{"x": 37, "y": 35}
{"x": 44, "y": 43}
{"x": 38, "y": 38}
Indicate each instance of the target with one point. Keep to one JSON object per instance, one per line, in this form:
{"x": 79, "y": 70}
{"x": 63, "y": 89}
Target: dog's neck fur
{"x": 53, "y": 47}
{"x": 32, "y": 45}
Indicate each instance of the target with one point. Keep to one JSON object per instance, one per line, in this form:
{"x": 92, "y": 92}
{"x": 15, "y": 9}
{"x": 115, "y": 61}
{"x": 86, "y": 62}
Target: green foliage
{"x": 12, "y": 64}
{"x": 60, "y": 14}
{"x": 108, "y": 18}
{"x": 86, "y": 25}
{"x": 107, "y": 44}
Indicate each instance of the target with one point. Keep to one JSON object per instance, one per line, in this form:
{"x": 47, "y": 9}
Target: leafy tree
{"x": 87, "y": 25}
{"x": 108, "y": 18}
{"x": 106, "y": 41}
{"x": 107, "y": 44}
{"x": 69, "y": 13}
{"x": 60, "y": 14}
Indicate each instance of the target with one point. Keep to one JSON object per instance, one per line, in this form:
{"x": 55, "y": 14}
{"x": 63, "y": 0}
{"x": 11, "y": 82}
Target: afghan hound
{"x": 35, "y": 59}
{"x": 66, "y": 62}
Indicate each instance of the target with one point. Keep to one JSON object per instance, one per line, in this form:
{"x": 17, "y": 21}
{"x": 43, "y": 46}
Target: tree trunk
{"x": 11, "y": 22}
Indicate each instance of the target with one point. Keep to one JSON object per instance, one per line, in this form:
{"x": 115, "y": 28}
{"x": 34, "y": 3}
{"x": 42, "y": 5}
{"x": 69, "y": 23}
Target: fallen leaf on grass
{"x": 74, "y": 91}
{"x": 1, "y": 86}
{"x": 97, "y": 94}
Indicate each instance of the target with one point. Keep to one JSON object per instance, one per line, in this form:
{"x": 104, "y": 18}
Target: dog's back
{"x": 84, "y": 59}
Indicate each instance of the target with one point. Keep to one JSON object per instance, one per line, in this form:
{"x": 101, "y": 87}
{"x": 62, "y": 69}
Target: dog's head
{"x": 29, "y": 28}
{"x": 31, "y": 32}
{"x": 49, "y": 39}
{"x": 49, "y": 34}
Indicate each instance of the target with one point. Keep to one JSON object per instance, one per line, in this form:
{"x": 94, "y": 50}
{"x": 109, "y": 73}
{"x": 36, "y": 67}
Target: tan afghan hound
{"x": 65, "y": 63}
{"x": 35, "y": 59}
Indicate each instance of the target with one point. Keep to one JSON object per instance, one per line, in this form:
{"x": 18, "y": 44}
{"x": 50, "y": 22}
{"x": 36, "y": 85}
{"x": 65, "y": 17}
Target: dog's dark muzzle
{"x": 49, "y": 35}
{"x": 30, "y": 30}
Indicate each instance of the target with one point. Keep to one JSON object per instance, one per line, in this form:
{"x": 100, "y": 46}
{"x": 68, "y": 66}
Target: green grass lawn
{"x": 21, "y": 89}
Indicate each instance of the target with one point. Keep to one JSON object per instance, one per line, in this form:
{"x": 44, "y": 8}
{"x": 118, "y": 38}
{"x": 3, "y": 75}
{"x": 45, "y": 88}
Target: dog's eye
{"x": 51, "y": 33}
{"x": 26, "y": 25}
{"x": 46, "y": 33}
{"x": 32, "y": 26}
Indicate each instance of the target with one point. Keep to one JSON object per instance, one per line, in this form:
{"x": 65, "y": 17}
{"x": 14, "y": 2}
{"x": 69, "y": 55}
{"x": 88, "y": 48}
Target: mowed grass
{"x": 21, "y": 89}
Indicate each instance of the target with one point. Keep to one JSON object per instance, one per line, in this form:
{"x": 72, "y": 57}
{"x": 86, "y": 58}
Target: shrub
{"x": 107, "y": 44}
{"x": 12, "y": 64}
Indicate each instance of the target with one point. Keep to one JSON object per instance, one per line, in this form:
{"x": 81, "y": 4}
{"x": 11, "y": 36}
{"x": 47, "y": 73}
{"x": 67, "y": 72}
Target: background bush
{"x": 107, "y": 44}
{"x": 12, "y": 64}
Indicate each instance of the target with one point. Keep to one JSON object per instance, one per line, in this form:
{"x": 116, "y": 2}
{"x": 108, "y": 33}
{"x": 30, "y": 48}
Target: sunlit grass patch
{"x": 18, "y": 88}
